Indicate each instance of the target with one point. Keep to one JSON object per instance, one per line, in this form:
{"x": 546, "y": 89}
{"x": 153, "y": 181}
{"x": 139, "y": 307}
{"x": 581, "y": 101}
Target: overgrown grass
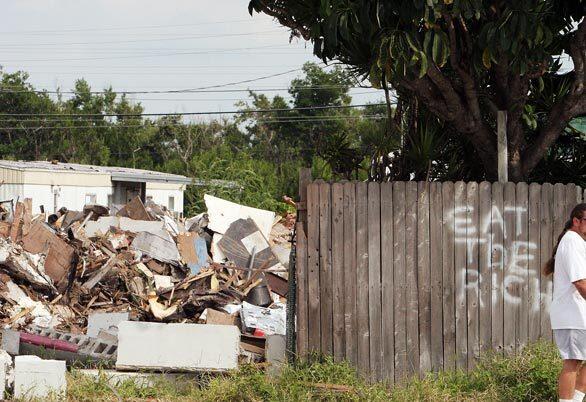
{"x": 531, "y": 376}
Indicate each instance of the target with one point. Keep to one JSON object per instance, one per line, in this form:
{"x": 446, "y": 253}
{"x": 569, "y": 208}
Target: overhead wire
{"x": 125, "y": 28}
{"x": 20, "y": 45}
{"x": 115, "y": 126}
{"x": 220, "y": 112}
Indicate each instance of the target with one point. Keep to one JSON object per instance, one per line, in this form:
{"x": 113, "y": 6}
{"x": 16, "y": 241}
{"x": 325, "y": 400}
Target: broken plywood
{"x": 239, "y": 241}
{"x": 159, "y": 246}
{"x": 193, "y": 251}
{"x": 41, "y": 239}
{"x": 135, "y": 210}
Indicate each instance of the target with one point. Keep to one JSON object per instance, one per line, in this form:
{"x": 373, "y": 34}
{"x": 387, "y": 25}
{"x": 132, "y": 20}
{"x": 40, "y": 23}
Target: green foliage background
{"x": 260, "y": 153}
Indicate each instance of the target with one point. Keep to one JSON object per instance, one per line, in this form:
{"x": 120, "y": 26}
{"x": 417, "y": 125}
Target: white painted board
{"x": 222, "y": 213}
{"x": 177, "y": 347}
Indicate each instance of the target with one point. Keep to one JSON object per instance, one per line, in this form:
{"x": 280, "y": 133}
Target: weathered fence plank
{"x": 338, "y": 270}
{"x": 484, "y": 268}
{"x": 374, "y": 281}
{"x": 313, "y": 288}
{"x": 498, "y": 267}
{"x": 350, "y": 322}
{"x": 436, "y": 268}
{"x": 459, "y": 217}
{"x": 509, "y": 283}
{"x": 533, "y": 266}
{"x": 400, "y": 299}
{"x": 302, "y": 293}
{"x": 546, "y": 242}
{"x": 424, "y": 277}
{"x": 325, "y": 267}
{"x": 471, "y": 240}
{"x": 448, "y": 276}
{"x": 387, "y": 259}
{"x": 411, "y": 278}
{"x": 521, "y": 262}
{"x": 362, "y": 277}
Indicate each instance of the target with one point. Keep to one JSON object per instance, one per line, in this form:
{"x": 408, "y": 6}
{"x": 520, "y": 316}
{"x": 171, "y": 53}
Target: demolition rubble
{"x": 135, "y": 289}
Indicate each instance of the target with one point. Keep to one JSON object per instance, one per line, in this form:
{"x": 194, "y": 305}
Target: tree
{"x": 305, "y": 127}
{"x": 463, "y": 60}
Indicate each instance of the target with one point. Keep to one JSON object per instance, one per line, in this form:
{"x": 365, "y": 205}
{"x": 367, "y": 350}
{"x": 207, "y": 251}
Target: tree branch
{"x": 468, "y": 81}
{"x": 572, "y": 105}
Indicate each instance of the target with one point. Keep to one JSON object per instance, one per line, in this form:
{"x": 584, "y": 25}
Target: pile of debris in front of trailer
{"x": 137, "y": 290}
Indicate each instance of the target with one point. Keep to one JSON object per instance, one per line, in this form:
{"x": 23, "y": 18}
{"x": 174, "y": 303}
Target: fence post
{"x": 291, "y": 341}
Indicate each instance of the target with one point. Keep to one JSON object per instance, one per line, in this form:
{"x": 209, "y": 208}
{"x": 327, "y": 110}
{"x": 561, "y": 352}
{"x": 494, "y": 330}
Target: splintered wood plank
{"x": 510, "y": 289}
{"x": 362, "y": 278}
{"x": 313, "y": 282}
{"x": 460, "y": 233}
{"x": 436, "y": 268}
{"x": 400, "y": 295}
{"x": 338, "y": 270}
{"x": 302, "y": 294}
{"x": 534, "y": 262}
{"x": 350, "y": 323}
{"x": 411, "y": 278}
{"x": 520, "y": 264}
{"x": 325, "y": 267}
{"x": 424, "y": 278}
{"x": 374, "y": 282}
{"x": 448, "y": 275}
{"x": 27, "y": 215}
{"x": 497, "y": 264}
{"x": 387, "y": 258}
{"x": 16, "y": 228}
{"x": 484, "y": 269}
{"x": 472, "y": 272}
{"x": 546, "y": 248}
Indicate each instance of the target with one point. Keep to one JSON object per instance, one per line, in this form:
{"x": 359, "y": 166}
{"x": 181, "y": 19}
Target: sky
{"x": 154, "y": 45}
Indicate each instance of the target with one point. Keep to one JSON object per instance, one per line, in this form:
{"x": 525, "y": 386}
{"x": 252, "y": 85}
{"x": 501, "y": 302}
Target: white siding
{"x": 161, "y": 197}
{"x": 11, "y": 192}
{"x": 71, "y": 197}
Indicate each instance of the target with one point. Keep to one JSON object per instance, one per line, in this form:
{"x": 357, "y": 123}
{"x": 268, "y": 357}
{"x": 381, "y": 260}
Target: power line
{"x": 171, "y": 91}
{"x": 126, "y": 27}
{"x": 189, "y": 91}
{"x": 285, "y": 120}
{"x": 320, "y": 107}
{"x": 16, "y": 45}
{"x": 224, "y": 51}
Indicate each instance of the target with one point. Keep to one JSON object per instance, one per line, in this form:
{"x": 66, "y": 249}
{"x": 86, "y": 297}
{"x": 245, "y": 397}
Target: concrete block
{"x": 275, "y": 349}
{"x": 177, "y": 347}
{"x": 107, "y": 322}
{"x": 37, "y": 378}
{"x": 10, "y": 341}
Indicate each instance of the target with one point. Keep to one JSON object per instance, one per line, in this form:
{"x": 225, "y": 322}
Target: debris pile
{"x": 225, "y": 267}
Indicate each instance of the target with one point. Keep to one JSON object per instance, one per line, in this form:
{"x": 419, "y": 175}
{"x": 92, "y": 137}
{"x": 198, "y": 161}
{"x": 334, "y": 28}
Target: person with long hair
{"x": 568, "y": 308}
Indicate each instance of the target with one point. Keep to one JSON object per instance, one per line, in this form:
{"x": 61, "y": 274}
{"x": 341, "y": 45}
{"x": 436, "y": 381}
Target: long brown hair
{"x": 578, "y": 212}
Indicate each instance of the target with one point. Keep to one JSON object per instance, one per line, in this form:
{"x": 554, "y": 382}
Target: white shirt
{"x": 568, "y": 308}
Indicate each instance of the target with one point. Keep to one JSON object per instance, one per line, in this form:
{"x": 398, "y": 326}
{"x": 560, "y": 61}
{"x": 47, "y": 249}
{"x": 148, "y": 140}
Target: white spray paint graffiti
{"x": 512, "y": 260}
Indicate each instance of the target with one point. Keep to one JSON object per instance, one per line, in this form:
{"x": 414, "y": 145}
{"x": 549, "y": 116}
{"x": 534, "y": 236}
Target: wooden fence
{"x": 404, "y": 278}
